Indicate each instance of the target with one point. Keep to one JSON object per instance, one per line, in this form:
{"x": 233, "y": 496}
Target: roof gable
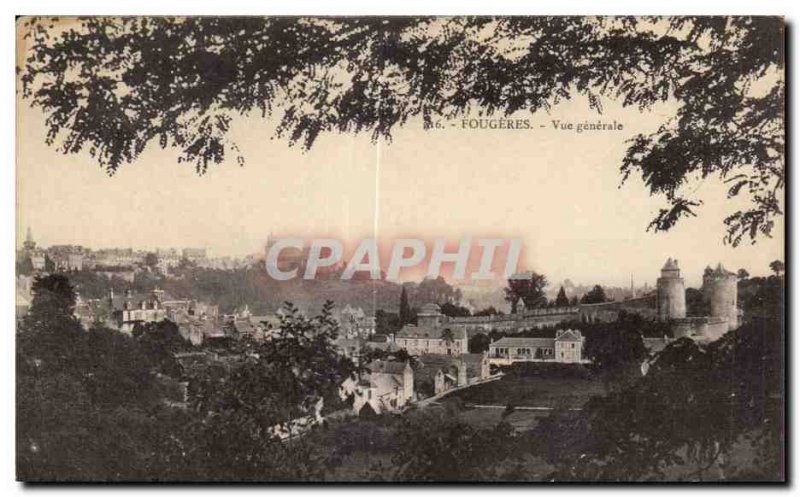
{"x": 569, "y": 336}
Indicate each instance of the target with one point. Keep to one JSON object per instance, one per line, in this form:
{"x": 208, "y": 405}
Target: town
{"x": 449, "y": 350}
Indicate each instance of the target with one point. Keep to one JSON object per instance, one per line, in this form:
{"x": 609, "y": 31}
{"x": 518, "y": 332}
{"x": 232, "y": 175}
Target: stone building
{"x": 194, "y": 254}
{"x": 355, "y": 323}
{"x": 431, "y": 335}
{"x": 569, "y": 346}
{"x": 443, "y": 373}
{"x": 565, "y": 347}
{"x": 720, "y": 290}
{"x": 29, "y": 251}
{"x": 69, "y": 262}
{"x": 388, "y": 386}
{"x": 38, "y": 260}
{"x": 130, "y": 309}
{"x": 670, "y": 292}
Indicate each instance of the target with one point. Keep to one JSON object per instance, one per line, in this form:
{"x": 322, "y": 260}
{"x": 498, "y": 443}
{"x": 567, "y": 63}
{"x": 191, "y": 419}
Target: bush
{"x": 547, "y": 370}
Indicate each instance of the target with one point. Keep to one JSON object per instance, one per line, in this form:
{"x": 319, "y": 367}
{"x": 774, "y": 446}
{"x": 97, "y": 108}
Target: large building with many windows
{"x": 565, "y": 347}
{"x": 431, "y": 335}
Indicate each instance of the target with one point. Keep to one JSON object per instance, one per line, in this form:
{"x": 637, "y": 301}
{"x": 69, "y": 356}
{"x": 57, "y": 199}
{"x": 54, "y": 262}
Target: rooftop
{"x": 431, "y": 332}
{"x": 670, "y": 265}
{"x": 430, "y": 309}
{"x": 569, "y": 336}
{"x": 524, "y": 342}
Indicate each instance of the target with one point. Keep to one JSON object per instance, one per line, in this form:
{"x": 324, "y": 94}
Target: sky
{"x": 558, "y": 191}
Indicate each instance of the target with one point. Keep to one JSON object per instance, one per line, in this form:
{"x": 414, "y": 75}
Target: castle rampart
{"x": 671, "y": 293}
{"x": 720, "y": 291}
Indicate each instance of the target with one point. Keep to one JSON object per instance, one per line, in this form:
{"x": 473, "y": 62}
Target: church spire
{"x": 29, "y": 244}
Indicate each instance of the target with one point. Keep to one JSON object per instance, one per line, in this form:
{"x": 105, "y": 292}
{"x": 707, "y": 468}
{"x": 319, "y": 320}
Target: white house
{"x": 387, "y": 386}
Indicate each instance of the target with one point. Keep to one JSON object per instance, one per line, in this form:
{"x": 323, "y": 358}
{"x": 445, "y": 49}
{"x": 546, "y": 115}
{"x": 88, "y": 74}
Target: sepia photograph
{"x": 400, "y": 249}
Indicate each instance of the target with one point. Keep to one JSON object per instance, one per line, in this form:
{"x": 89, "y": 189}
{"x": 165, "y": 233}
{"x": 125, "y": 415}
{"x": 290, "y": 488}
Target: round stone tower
{"x": 720, "y": 291}
{"x": 671, "y": 294}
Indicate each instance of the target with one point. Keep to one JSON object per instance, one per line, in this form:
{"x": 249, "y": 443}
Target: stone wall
{"x": 609, "y": 311}
{"x": 533, "y": 318}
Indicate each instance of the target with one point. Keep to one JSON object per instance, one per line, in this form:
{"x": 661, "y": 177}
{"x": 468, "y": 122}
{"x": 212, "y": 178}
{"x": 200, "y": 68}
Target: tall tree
{"x": 52, "y": 306}
{"x": 527, "y": 286}
{"x": 113, "y": 86}
{"x": 777, "y": 267}
{"x": 405, "y": 310}
{"x": 406, "y": 315}
{"x": 742, "y": 274}
{"x": 73, "y": 385}
{"x": 151, "y": 260}
{"x": 561, "y": 298}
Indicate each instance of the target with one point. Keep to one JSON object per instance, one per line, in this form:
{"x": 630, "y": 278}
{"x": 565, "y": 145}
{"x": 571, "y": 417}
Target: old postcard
{"x": 400, "y": 249}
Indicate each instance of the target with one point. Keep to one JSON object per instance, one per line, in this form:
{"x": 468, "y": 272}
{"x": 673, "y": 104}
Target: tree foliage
{"x": 488, "y": 311}
{"x": 617, "y": 350}
{"x": 405, "y": 310}
{"x": 561, "y": 298}
{"x": 685, "y": 418}
{"x": 479, "y": 343}
{"x": 91, "y": 406}
{"x": 597, "y": 295}
{"x": 100, "y": 405}
{"x": 88, "y": 403}
{"x": 697, "y": 303}
{"x": 454, "y": 310}
{"x": 526, "y": 286}
{"x": 762, "y": 297}
{"x": 432, "y": 446}
{"x": 114, "y": 86}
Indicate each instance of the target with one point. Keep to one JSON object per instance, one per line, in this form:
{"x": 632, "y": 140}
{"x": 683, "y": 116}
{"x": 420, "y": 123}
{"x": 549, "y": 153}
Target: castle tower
{"x": 671, "y": 294}
{"x": 721, "y": 292}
